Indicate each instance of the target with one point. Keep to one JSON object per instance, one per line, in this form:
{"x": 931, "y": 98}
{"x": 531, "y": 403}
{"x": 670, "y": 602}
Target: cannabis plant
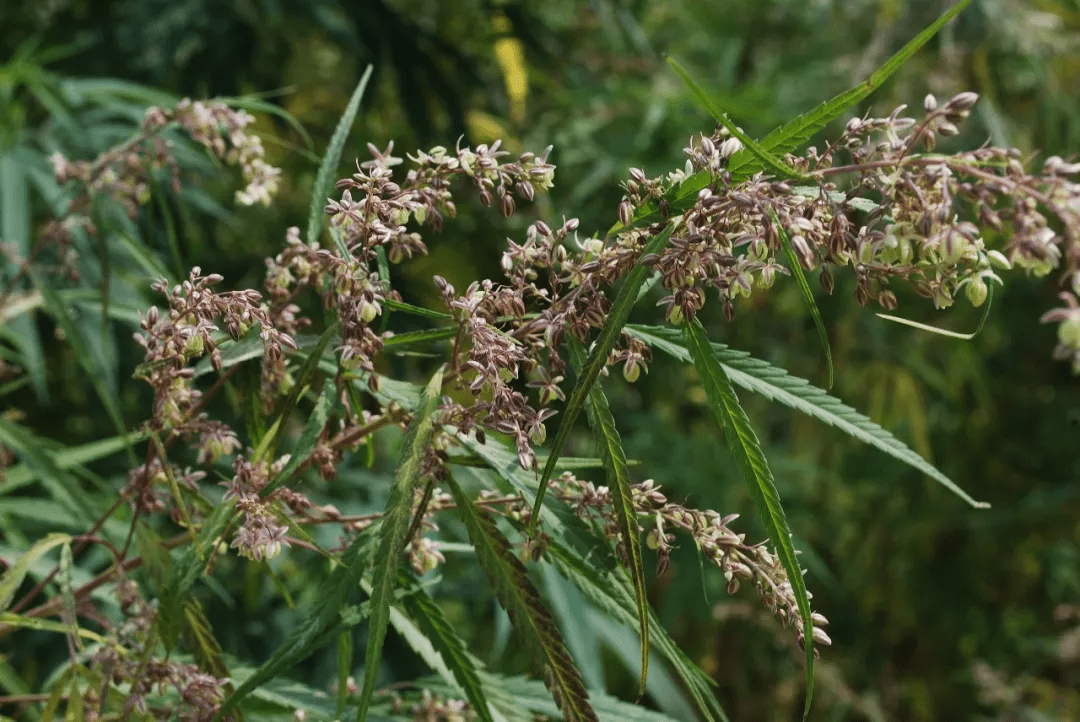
{"x": 506, "y": 358}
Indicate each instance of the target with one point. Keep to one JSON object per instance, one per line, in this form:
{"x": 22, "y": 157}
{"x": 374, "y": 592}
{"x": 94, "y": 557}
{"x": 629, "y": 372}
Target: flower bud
{"x": 976, "y": 291}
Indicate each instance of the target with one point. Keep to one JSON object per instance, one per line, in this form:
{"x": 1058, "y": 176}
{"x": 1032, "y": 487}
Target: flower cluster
{"x": 659, "y": 518}
{"x": 222, "y": 130}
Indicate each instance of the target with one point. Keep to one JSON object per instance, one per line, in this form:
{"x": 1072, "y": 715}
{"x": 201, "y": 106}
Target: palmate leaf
{"x": 777, "y": 385}
{"x": 14, "y": 576}
{"x": 792, "y": 135}
{"x": 744, "y": 446}
{"x": 590, "y": 370}
{"x": 324, "y": 180}
{"x": 517, "y": 595}
{"x": 622, "y": 499}
{"x": 395, "y": 522}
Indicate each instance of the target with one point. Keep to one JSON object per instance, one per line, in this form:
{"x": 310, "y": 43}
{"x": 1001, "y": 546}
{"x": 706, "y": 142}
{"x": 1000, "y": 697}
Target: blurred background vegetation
{"x": 938, "y": 611}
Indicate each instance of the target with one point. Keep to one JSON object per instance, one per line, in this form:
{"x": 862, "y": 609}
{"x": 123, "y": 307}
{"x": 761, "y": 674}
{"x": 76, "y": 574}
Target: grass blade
{"x": 395, "y": 522}
{"x": 518, "y": 596}
{"x": 590, "y": 370}
{"x": 622, "y": 499}
{"x": 324, "y": 181}
{"x": 744, "y": 446}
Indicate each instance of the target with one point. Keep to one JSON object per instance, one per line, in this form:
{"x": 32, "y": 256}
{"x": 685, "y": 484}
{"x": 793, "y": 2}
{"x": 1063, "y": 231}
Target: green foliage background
{"x": 937, "y": 611}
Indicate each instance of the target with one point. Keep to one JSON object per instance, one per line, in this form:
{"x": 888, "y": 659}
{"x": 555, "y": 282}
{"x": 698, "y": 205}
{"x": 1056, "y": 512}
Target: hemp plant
{"x": 876, "y": 202}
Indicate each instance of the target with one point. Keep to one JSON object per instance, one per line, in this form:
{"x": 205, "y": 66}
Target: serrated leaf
{"x": 598, "y": 356}
{"x": 607, "y": 587}
{"x": 758, "y": 151}
{"x": 744, "y": 446}
{"x": 465, "y": 669}
{"x": 515, "y": 591}
{"x": 324, "y": 180}
{"x": 793, "y": 134}
{"x": 307, "y": 372}
{"x": 622, "y": 500}
{"x": 14, "y": 576}
{"x": 186, "y": 572}
{"x": 777, "y": 385}
{"x": 797, "y": 270}
{"x": 395, "y": 523}
{"x": 328, "y": 616}
{"x": 309, "y": 437}
{"x": 200, "y": 641}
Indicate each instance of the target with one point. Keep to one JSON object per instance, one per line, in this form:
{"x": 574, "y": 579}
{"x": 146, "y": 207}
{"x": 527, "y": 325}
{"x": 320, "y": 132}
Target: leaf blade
{"x": 590, "y": 370}
{"x": 799, "y": 394}
{"x": 622, "y": 500}
{"x": 516, "y": 593}
{"x": 395, "y": 523}
{"x": 744, "y": 446}
{"x": 324, "y": 180}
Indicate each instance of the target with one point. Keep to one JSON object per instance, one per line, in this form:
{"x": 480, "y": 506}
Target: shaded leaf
{"x": 14, "y": 576}
{"x": 622, "y": 500}
{"x": 800, "y": 277}
{"x": 517, "y": 595}
{"x": 324, "y": 181}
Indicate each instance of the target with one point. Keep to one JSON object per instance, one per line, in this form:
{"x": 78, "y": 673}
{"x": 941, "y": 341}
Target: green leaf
{"x": 71, "y": 457}
{"x": 328, "y": 616}
{"x": 395, "y": 522}
{"x": 269, "y": 443}
{"x": 187, "y": 571}
{"x": 309, "y": 437}
{"x": 464, "y": 668}
{"x": 776, "y": 385}
{"x": 945, "y": 332}
{"x": 622, "y": 500}
{"x": 93, "y": 369}
{"x": 415, "y": 310}
{"x": 517, "y": 595}
{"x": 400, "y": 340}
{"x": 808, "y": 295}
{"x": 744, "y": 446}
{"x": 324, "y": 181}
{"x": 60, "y": 485}
{"x": 590, "y": 371}
{"x": 793, "y": 134}
{"x": 14, "y": 576}
{"x": 607, "y": 587}
{"x": 764, "y": 156}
